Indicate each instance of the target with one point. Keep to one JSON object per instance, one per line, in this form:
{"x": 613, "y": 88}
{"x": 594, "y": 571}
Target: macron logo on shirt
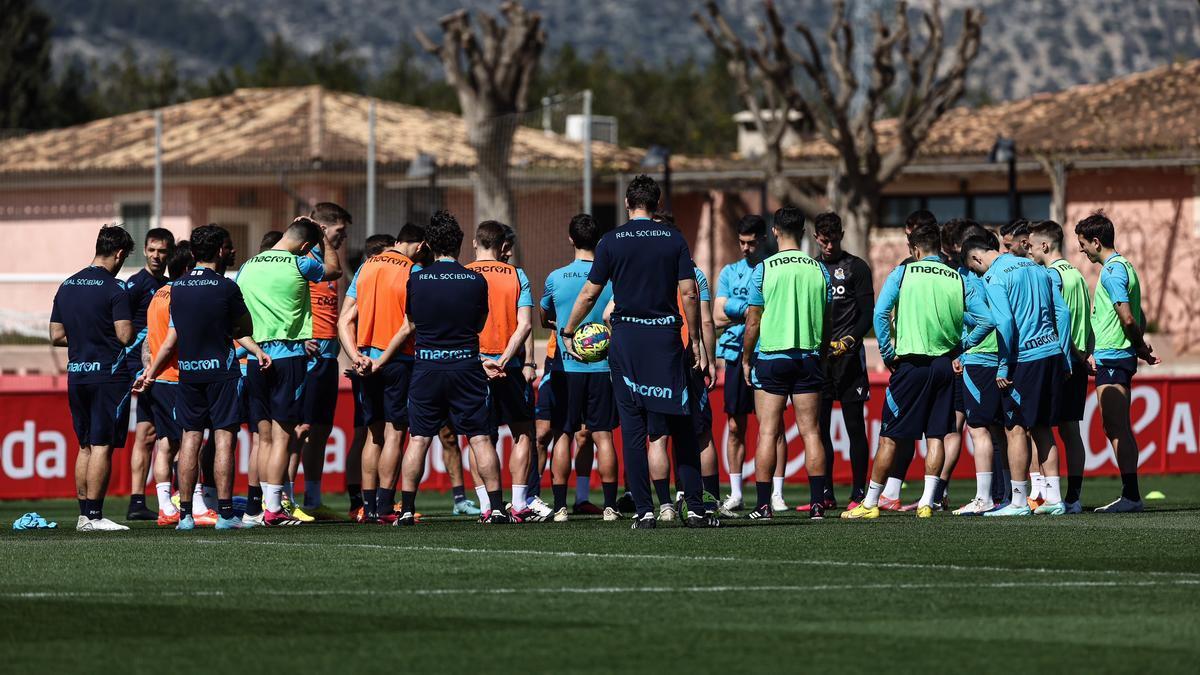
{"x": 84, "y": 367}
{"x": 649, "y": 390}
{"x": 200, "y": 364}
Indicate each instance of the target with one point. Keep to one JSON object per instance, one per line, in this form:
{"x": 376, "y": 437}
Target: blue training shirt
{"x": 1032, "y": 319}
{"x": 734, "y": 284}
{"x": 1115, "y": 280}
{"x": 87, "y": 304}
{"x": 558, "y": 299}
{"x": 975, "y": 310}
{"x": 141, "y": 288}
{"x": 205, "y": 307}
{"x": 645, "y": 261}
{"x": 976, "y": 291}
{"x": 448, "y": 305}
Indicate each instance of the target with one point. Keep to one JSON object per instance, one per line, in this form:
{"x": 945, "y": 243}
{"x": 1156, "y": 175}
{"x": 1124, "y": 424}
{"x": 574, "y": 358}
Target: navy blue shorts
{"x": 982, "y": 396}
{"x": 166, "y": 424}
{"x": 960, "y": 405}
{"x": 544, "y": 410}
{"x": 585, "y": 400}
{"x": 700, "y": 412}
{"x": 320, "y": 392}
{"x": 255, "y": 395}
{"x": 920, "y": 399}
{"x": 99, "y": 412}
{"x": 783, "y": 375}
{"x": 144, "y": 410}
{"x": 846, "y": 377}
{"x": 1032, "y": 399}
{"x": 285, "y": 381}
{"x": 739, "y": 396}
{"x": 459, "y": 398}
{"x": 1119, "y": 371}
{"x": 209, "y": 405}
{"x": 512, "y": 398}
{"x": 1072, "y": 397}
{"x": 356, "y": 386}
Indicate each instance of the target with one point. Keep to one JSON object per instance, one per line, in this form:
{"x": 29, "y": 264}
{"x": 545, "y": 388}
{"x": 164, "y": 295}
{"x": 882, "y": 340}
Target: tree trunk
{"x": 492, "y": 140}
{"x": 859, "y": 214}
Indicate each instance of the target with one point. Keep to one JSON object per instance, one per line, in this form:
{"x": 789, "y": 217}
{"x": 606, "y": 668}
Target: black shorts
{"x": 784, "y": 375}
{"x": 99, "y": 412}
{"x": 846, "y": 377}
{"x": 320, "y": 392}
{"x": 739, "y": 396}
{"x": 511, "y": 398}
{"x": 1118, "y": 371}
{"x": 281, "y": 397}
{"x": 1072, "y": 397}
{"x": 981, "y": 396}
{"x": 700, "y": 412}
{"x": 459, "y": 398}
{"x": 920, "y": 399}
{"x": 583, "y": 400}
{"x": 357, "y": 394}
{"x": 144, "y": 407}
{"x": 166, "y": 424}
{"x": 209, "y": 405}
{"x": 1032, "y": 399}
{"x": 256, "y": 399}
{"x": 544, "y": 410}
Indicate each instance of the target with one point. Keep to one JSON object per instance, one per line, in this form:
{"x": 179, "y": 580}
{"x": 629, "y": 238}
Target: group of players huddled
{"x": 992, "y": 333}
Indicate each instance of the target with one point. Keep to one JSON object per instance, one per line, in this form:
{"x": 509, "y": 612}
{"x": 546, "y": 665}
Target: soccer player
{"x": 845, "y": 362}
{"x": 918, "y": 344}
{"x": 372, "y": 315}
{"x": 447, "y": 307}
{"x": 502, "y": 341}
{"x": 729, "y": 312}
{"x": 321, "y": 380}
{"x": 1014, "y": 236}
{"x": 274, "y": 284}
{"x": 650, "y": 268}
{"x": 1033, "y": 329}
{"x": 141, "y": 287}
{"x": 258, "y": 419}
{"x": 1046, "y": 248}
{"x": 1120, "y": 341}
{"x": 207, "y": 313}
{"x": 91, "y": 318}
{"x": 582, "y": 391}
{"x": 787, "y": 327}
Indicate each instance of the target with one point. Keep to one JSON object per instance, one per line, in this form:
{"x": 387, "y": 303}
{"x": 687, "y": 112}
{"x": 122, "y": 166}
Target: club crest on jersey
{"x": 839, "y": 274}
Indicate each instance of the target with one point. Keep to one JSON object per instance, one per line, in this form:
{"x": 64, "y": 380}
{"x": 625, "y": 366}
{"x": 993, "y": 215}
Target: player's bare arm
{"x": 58, "y": 334}
{"x": 750, "y": 338}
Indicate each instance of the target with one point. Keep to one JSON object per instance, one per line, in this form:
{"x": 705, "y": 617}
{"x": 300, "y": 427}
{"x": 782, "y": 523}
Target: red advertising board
{"x": 38, "y": 447}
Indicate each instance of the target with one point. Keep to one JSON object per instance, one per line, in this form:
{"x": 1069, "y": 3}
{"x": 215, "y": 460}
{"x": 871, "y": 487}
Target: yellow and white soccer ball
{"x": 591, "y": 342}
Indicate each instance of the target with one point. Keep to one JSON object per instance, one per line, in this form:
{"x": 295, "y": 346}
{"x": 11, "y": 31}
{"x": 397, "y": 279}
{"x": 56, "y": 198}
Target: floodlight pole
{"x": 371, "y": 168}
{"x": 158, "y": 168}
{"x": 587, "y": 151}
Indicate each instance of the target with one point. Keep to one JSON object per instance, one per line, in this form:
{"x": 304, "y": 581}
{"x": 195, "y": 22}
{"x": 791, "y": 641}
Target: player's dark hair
{"x": 411, "y": 233}
{"x": 269, "y": 240}
{"x": 927, "y": 238}
{"x": 1015, "y": 228}
{"x": 444, "y": 234}
{"x": 828, "y": 225}
{"x": 643, "y": 193}
{"x": 490, "y": 235}
{"x": 752, "y": 224}
{"x": 1097, "y": 226}
{"x": 974, "y": 229}
{"x": 306, "y": 230}
{"x": 207, "y": 241}
{"x": 160, "y": 234}
{"x": 1050, "y": 230}
{"x": 378, "y": 243}
{"x": 952, "y": 232}
{"x": 181, "y": 260}
{"x": 113, "y": 238}
{"x": 980, "y": 243}
{"x": 666, "y": 217}
{"x": 919, "y": 218}
{"x": 510, "y": 234}
{"x": 584, "y": 232}
{"x": 790, "y": 221}
{"x": 328, "y": 213}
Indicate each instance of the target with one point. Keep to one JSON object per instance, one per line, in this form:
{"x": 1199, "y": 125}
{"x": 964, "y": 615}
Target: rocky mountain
{"x": 1029, "y": 46}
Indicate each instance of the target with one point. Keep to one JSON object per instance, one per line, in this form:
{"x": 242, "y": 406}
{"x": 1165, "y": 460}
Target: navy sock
{"x": 369, "y": 509}
{"x": 497, "y": 499}
{"x": 185, "y": 508}
{"x": 816, "y": 489}
{"x": 385, "y": 501}
{"x": 662, "y": 489}
{"x": 82, "y": 507}
{"x": 254, "y": 500}
{"x": 354, "y": 491}
{"x": 225, "y": 508}
{"x": 764, "y": 493}
{"x": 137, "y": 501}
{"x": 459, "y": 492}
{"x": 533, "y": 484}
{"x": 610, "y": 494}
{"x": 94, "y": 508}
{"x": 560, "y": 496}
{"x": 1074, "y": 488}
{"x": 408, "y": 501}
{"x": 1129, "y": 487}
{"x": 939, "y": 491}
{"x": 712, "y": 485}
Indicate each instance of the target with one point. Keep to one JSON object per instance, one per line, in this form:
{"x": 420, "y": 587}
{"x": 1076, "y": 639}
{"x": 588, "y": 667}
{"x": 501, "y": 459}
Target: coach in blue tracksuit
{"x": 650, "y": 268}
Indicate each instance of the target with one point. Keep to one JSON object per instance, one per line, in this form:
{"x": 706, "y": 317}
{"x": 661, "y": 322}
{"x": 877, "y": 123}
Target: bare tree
{"x": 492, "y": 79}
{"x": 829, "y": 97}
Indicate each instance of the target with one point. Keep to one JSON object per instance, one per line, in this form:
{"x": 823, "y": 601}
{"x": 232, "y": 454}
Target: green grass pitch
{"x": 1086, "y": 593}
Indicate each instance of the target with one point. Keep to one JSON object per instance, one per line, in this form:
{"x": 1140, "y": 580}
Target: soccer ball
{"x": 591, "y": 342}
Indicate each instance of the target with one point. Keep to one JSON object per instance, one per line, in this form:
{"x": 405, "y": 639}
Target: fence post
{"x": 158, "y": 168}
{"x": 371, "y": 168}
{"x": 587, "y": 151}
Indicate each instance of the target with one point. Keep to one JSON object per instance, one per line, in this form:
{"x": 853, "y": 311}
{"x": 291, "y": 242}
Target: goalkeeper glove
{"x": 840, "y": 347}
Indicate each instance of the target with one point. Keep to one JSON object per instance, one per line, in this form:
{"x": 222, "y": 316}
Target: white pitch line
{"x": 600, "y": 590}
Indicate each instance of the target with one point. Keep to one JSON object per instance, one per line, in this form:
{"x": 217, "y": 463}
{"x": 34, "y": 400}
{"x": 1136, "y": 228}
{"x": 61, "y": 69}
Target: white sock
{"x": 872, "y": 498}
{"x": 983, "y": 486}
{"x": 776, "y": 486}
{"x": 289, "y": 489}
{"x": 583, "y": 488}
{"x": 272, "y": 497}
{"x": 198, "y": 506}
{"x": 1053, "y": 490}
{"x": 210, "y": 498}
{"x": 892, "y": 491}
{"x": 735, "y": 485}
{"x": 1039, "y": 485}
{"x": 312, "y": 493}
{"x": 927, "y": 496}
{"x": 164, "y": 498}
{"x": 518, "y": 497}
{"x": 1020, "y": 491}
{"x": 485, "y": 504}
